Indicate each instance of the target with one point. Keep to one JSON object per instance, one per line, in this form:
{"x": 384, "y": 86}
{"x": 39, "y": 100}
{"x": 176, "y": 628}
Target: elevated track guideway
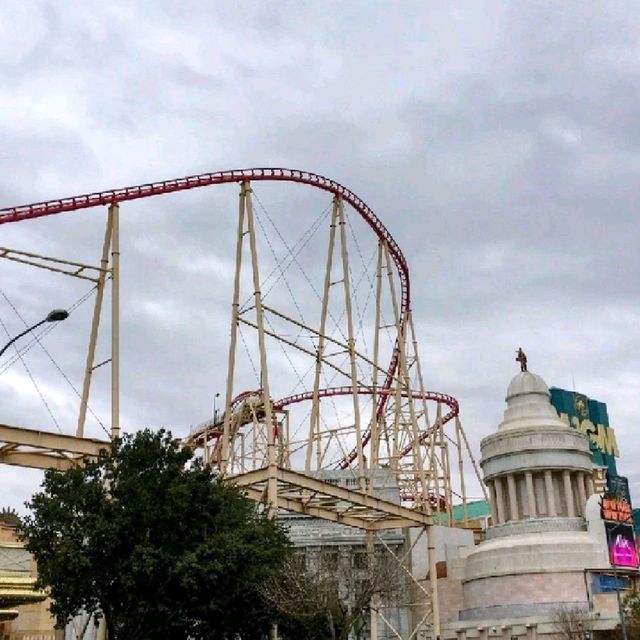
{"x": 355, "y": 400}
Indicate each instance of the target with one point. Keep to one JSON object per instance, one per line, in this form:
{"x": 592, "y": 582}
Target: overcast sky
{"x": 498, "y": 141}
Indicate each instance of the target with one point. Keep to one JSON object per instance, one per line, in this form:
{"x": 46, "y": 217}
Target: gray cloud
{"x": 497, "y": 143}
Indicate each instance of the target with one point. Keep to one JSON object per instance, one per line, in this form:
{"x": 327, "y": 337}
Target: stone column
{"x": 568, "y": 494}
{"x": 493, "y": 500}
{"x": 532, "y": 631}
{"x": 551, "y": 496}
{"x": 531, "y": 496}
{"x": 499, "y": 500}
{"x": 588, "y": 485}
{"x": 513, "y": 497}
{"x": 582, "y": 494}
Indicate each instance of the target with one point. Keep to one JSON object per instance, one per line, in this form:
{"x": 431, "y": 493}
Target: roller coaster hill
{"x": 332, "y": 305}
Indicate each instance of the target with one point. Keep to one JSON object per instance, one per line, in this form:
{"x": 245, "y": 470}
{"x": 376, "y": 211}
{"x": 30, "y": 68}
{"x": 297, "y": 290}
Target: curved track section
{"x": 113, "y": 196}
{"x": 214, "y": 428}
{"x": 449, "y": 401}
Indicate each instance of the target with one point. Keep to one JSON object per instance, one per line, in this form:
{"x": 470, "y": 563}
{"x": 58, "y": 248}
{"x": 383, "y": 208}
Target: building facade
{"x": 546, "y": 549}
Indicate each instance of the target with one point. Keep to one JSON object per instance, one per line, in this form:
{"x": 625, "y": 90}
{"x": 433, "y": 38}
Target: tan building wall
{"x": 34, "y": 621}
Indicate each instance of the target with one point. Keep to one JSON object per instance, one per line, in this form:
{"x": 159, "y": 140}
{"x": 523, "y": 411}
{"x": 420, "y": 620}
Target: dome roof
{"x": 527, "y": 382}
{"x": 529, "y": 405}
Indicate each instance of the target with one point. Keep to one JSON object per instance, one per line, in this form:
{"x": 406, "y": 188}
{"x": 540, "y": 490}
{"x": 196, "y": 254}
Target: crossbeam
{"x": 24, "y": 447}
{"x": 303, "y": 494}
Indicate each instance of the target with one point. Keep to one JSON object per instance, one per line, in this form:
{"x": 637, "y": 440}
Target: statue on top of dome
{"x": 522, "y": 359}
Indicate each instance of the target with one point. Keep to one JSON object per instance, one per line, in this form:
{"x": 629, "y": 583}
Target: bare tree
{"x": 572, "y": 622}
{"x": 333, "y": 588}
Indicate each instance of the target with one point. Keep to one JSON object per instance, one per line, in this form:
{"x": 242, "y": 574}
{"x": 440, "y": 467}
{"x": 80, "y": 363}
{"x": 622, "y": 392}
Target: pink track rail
{"x": 114, "y": 196}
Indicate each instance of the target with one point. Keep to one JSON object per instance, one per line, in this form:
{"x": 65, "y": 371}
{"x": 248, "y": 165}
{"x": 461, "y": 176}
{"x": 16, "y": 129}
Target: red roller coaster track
{"x": 113, "y": 196}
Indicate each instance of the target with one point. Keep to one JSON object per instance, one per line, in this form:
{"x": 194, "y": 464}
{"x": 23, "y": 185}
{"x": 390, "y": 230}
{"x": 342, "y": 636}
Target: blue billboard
{"x": 589, "y": 416}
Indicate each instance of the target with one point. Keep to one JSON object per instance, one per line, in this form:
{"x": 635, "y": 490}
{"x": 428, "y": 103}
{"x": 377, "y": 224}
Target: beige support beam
{"x": 38, "y": 460}
{"x": 114, "y": 214}
{"x": 264, "y": 370}
{"x": 95, "y": 326}
{"x": 375, "y": 426}
{"x": 235, "y": 314}
{"x": 551, "y": 496}
{"x": 531, "y": 496}
{"x": 314, "y": 442}
{"x": 312, "y": 485}
{"x": 65, "y": 267}
{"x": 346, "y": 281}
{"x": 51, "y": 441}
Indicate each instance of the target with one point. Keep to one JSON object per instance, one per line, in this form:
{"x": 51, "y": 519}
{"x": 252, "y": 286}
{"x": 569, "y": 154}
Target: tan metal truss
{"x": 24, "y": 447}
{"x": 302, "y": 494}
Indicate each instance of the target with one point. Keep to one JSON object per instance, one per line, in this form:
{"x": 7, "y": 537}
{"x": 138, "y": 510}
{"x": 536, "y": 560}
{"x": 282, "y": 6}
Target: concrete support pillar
{"x": 506, "y": 633}
{"x": 483, "y": 633}
{"x": 532, "y": 631}
{"x": 582, "y": 493}
{"x": 499, "y": 500}
{"x": 461, "y": 634}
{"x": 551, "y": 496}
{"x": 513, "y": 497}
{"x": 531, "y": 496}
{"x": 568, "y": 494}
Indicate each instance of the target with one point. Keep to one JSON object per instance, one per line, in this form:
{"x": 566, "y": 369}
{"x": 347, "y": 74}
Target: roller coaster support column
{"x": 95, "y": 325}
{"x": 374, "y": 449}
{"x": 314, "y": 423}
{"x": 346, "y": 279}
{"x": 235, "y": 313}
{"x": 114, "y": 214}
{"x": 272, "y": 486}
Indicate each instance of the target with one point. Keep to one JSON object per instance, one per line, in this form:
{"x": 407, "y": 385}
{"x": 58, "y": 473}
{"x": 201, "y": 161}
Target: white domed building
{"x": 546, "y": 537}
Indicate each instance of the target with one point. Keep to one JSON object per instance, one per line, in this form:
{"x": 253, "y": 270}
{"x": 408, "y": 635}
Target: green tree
{"x": 632, "y": 615}
{"x": 327, "y": 596}
{"x": 150, "y": 538}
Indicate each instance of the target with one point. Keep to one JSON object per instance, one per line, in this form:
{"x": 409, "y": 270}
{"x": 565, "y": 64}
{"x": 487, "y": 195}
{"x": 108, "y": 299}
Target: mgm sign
{"x": 590, "y": 417}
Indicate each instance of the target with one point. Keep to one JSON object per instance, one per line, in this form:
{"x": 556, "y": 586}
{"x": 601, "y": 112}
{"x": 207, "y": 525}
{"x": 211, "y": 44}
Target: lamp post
{"x": 57, "y": 315}
{"x": 215, "y": 411}
{"x": 206, "y": 430}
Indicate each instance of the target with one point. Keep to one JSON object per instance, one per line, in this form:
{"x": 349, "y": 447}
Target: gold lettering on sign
{"x": 599, "y": 477}
{"x": 604, "y": 438}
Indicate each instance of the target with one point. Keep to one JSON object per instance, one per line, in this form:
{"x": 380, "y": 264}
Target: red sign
{"x": 616, "y": 510}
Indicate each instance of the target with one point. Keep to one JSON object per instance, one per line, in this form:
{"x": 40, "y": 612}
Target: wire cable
{"x": 35, "y": 384}
{"x": 37, "y": 340}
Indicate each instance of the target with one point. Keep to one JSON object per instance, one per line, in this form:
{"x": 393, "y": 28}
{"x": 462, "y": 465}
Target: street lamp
{"x": 206, "y": 430}
{"x": 215, "y": 410}
{"x": 57, "y": 315}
